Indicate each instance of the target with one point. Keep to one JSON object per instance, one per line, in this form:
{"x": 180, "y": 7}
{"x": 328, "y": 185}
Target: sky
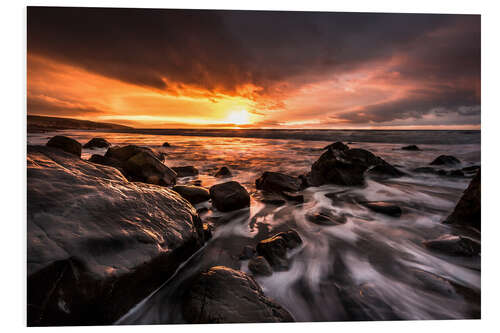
{"x": 161, "y": 68}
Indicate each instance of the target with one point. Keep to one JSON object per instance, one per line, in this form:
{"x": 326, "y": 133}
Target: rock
{"x": 224, "y": 295}
{"x": 454, "y": 245}
{"x": 455, "y": 173}
{"x": 471, "y": 168}
{"x": 185, "y": 171}
{"x": 343, "y": 167}
{"x": 445, "y": 160}
{"x": 274, "y": 248}
{"x": 98, "y": 244}
{"x": 97, "y": 143}
{"x": 229, "y": 196}
{"x": 430, "y": 170}
{"x": 67, "y": 144}
{"x": 432, "y": 282}
{"x": 223, "y": 172}
{"x": 145, "y": 167}
{"x": 275, "y": 201}
{"x": 247, "y": 253}
{"x": 337, "y": 146}
{"x": 325, "y": 217}
{"x": 411, "y": 147}
{"x": 468, "y": 209}
{"x": 366, "y": 302}
{"x": 102, "y": 160}
{"x": 276, "y": 182}
{"x": 297, "y": 198}
{"x": 385, "y": 171}
{"x": 166, "y": 144}
{"x": 260, "y": 266}
{"x": 123, "y": 153}
{"x": 382, "y": 207}
{"x": 193, "y": 194}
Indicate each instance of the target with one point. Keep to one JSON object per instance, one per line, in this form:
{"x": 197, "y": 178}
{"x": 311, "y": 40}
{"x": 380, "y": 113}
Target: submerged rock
{"x": 411, "y": 147}
{"x": 229, "y": 196}
{"x": 224, "y": 295}
{"x": 185, "y": 171}
{"x": 468, "y": 209}
{"x": 193, "y": 194}
{"x": 325, "y": 217}
{"x": 385, "y": 208}
{"x": 445, "y": 160}
{"x": 97, "y": 143}
{"x": 454, "y": 245}
{"x": 223, "y": 172}
{"x": 260, "y": 266}
{"x": 67, "y": 144}
{"x": 337, "y": 146}
{"x": 276, "y": 182}
{"x": 98, "y": 244}
{"x": 274, "y": 249}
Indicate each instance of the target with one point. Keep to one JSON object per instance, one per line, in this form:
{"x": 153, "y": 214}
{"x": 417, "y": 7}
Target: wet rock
{"x": 454, "y": 245}
{"x": 193, "y": 194}
{"x": 224, "y": 295}
{"x": 297, "y": 198}
{"x": 123, "y": 153}
{"x": 274, "y": 200}
{"x": 98, "y": 244}
{"x": 385, "y": 171}
{"x": 274, "y": 249}
{"x": 433, "y": 282}
{"x": 411, "y": 147}
{"x": 325, "y": 217}
{"x": 223, "y": 172}
{"x": 445, "y": 160}
{"x": 337, "y": 146}
{"x": 345, "y": 167}
{"x": 385, "y": 208}
{"x": 67, "y": 144}
{"x": 471, "y": 168}
{"x": 429, "y": 170}
{"x": 97, "y": 143}
{"x": 468, "y": 209}
{"x": 247, "y": 253}
{"x": 276, "y": 182}
{"x": 260, "y": 266}
{"x": 166, "y": 144}
{"x": 455, "y": 173}
{"x": 229, "y": 196}
{"x": 99, "y": 159}
{"x": 145, "y": 167}
{"x": 207, "y": 231}
{"x": 185, "y": 171}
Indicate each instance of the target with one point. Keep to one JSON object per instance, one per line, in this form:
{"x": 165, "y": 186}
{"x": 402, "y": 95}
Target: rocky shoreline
{"x": 104, "y": 233}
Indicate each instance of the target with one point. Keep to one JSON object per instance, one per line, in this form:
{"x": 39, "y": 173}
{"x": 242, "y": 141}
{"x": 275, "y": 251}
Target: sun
{"x": 240, "y": 117}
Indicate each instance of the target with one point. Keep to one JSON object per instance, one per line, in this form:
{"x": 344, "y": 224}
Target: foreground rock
{"x": 193, "y": 194}
{"x": 445, "y": 160}
{"x": 337, "y": 146}
{"x": 274, "y": 249}
{"x": 67, "y": 144}
{"x": 260, "y": 266}
{"x": 346, "y": 167}
{"x": 224, "y": 295}
{"x": 411, "y": 147}
{"x": 97, "y": 244}
{"x": 468, "y": 209}
{"x": 142, "y": 164}
{"x": 385, "y": 208}
{"x": 454, "y": 245}
{"x": 223, "y": 173}
{"x": 229, "y": 196}
{"x": 102, "y": 160}
{"x": 276, "y": 182}
{"x": 97, "y": 143}
{"x": 185, "y": 171}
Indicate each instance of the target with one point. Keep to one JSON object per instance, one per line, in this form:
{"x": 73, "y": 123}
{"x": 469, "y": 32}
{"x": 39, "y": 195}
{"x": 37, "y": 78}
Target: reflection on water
{"x": 371, "y": 267}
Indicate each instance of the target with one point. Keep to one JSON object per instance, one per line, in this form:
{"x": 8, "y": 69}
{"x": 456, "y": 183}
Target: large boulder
{"x": 276, "y": 182}
{"x": 67, "y": 144}
{"x": 445, "y": 160}
{"x": 344, "y": 167}
{"x": 97, "y": 244}
{"x": 225, "y": 295}
{"x": 193, "y": 194}
{"x": 185, "y": 171}
{"x": 229, "y": 196}
{"x": 468, "y": 209}
{"x": 337, "y": 146}
{"x": 97, "y": 143}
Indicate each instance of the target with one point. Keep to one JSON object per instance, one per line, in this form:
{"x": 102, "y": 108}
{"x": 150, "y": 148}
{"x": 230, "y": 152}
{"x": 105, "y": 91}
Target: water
{"x": 373, "y": 263}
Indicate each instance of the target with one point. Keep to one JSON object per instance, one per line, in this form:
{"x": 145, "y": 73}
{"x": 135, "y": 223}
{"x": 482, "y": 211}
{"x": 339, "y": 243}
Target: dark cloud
{"x": 43, "y": 105}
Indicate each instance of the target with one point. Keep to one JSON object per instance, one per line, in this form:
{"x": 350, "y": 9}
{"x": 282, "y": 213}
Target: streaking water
{"x": 378, "y": 257}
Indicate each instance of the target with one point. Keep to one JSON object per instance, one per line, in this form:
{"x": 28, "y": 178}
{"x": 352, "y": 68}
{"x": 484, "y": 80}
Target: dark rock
{"x": 193, "y": 194}
{"x": 123, "y": 153}
{"x": 67, "y": 144}
{"x": 102, "y": 160}
{"x": 410, "y": 147}
{"x": 166, "y": 144}
{"x": 325, "y": 217}
{"x": 207, "y": 231}
{"x": 145, "y": 167}
{"x": 337, "y": 146}
{"x": 471, "y": 168}
{"x": 229, "y": 196}
{"x": 185, "y": 171}
{"x": 382, "y": 207}
{"x": 385, "y": 170}
{"x": 468, "y": 209}
{"x": 433, "y": 282}
{"x": 98, "y": 244}
{"x": 454, "y": 245}
{"x": 445, "y": 160}
{"x": 275, "y": 201}
{"x": 343, "y": 167}
{"x": 224, "y": 295}
{"x": 276, "y": 182}
{"x": 298, "y": 198}
{"x": 97, "y": 143}
{"x": 274, "y": 248}
{"x": 223, "y": 172}
{"x": 260, "y": 266}
{"x": 364, "y": 302}
{"x": 247, "y": 253}
{"x": 456, "y": 173}
{"x": 430, "y": 170}
{"x": 291, "y": 237}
